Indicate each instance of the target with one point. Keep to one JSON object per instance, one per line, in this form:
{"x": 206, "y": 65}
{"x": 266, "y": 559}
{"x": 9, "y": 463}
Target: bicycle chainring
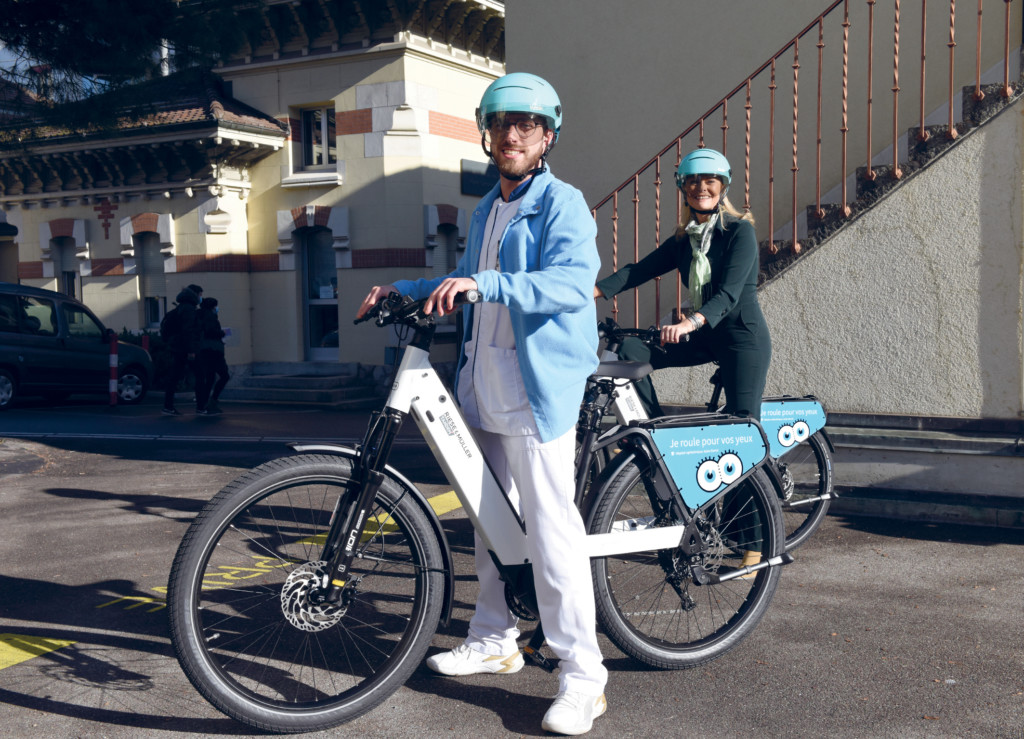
{"x": 296, "y": 605}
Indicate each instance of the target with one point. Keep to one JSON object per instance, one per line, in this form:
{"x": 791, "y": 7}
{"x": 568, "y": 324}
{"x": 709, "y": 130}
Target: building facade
{"x": 337, "y": 150}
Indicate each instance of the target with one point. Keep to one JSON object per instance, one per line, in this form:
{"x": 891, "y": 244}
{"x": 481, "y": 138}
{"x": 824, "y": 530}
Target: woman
{"x": 212, "y": 374}
{"x": 715, "y": 249}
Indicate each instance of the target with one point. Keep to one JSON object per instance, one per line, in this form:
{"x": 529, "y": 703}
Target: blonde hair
{"x": 724, "y": 206}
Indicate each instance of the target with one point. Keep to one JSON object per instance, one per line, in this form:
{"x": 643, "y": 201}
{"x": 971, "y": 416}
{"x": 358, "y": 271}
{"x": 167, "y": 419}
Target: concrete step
{"x": 307, "y": 384}
{"x": 303, "y": 382}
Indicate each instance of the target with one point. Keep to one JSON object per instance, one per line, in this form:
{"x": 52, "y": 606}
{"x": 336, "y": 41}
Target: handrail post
{"x": 951, "y": 133}
{"x": 870, "y": 174}
{"x": 897, "y": 173}
{"x": 795, "y": 168}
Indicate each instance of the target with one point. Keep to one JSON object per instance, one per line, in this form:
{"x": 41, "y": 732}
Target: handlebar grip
{"x": 470, "y": 296}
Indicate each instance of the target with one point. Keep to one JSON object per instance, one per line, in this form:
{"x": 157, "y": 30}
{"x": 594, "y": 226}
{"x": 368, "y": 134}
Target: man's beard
{"x": 516, "y": 169}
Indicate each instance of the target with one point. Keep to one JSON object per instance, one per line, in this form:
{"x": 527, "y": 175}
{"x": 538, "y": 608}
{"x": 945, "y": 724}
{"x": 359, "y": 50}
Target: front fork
{"x": 353, "y": 508}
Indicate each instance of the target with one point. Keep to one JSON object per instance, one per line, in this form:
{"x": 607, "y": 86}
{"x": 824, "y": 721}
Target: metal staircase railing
{"x": 848, "y": 62}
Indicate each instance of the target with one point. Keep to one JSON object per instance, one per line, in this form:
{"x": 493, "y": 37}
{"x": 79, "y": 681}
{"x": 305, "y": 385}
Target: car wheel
{"x": 132, "y": 386}
{"x": 8, "y": 389}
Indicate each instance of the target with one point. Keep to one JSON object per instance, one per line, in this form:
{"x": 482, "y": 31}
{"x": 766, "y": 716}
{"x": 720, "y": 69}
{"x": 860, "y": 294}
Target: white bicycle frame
{"x": 419, "y": 392}
{"x": 626, "y": 404}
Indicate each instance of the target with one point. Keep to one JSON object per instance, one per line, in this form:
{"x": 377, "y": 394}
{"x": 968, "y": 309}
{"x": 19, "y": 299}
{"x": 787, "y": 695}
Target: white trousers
{"x": 542, "y": 475}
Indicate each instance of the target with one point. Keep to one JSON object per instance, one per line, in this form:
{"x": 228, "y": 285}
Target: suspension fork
{"x": 352, "y": 509}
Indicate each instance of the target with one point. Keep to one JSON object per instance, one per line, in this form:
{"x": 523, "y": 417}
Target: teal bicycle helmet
{"x": 521, "y": 93}
{"x": 704, "y": 161}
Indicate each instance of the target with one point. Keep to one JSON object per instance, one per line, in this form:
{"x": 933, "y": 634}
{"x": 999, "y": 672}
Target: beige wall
{"x": 633, "y": 76}
{"x": 388, "y": 175}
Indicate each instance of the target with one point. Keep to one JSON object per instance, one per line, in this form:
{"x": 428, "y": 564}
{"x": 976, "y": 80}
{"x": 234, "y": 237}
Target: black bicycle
{"x": 799, "y": 445}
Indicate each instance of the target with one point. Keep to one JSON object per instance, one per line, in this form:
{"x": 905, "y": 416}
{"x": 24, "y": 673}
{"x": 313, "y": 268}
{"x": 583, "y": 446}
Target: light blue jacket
{"x": 549, "y": 264}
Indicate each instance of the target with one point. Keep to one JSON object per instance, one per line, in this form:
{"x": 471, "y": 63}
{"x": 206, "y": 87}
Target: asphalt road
{"x": 879, "y": 629}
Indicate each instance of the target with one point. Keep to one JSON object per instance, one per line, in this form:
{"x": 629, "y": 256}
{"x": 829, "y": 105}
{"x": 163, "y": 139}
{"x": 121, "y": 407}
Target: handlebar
{"x": 614, "y": 333}
{"x": 395, "y": 308}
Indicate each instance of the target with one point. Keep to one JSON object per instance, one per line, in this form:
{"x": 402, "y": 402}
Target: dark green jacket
{"x": 731, "y": 302}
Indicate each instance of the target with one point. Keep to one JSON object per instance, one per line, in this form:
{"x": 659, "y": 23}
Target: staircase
{"x": 826, "y": 220}
{"x": 813, "y": 122}
{"x": 308, "y": 383}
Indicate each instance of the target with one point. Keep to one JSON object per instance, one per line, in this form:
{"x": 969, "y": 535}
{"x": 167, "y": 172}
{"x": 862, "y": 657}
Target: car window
{"x": 8, "y": 312}
{"x": 38, "y": 316}
{"x": 80, "y": 324}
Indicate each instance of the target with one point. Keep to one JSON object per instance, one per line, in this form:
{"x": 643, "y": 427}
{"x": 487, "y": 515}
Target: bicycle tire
{"x": 248, "y": 639}
{"x": 638, "y": 607}
{"x": 808, "y": 467}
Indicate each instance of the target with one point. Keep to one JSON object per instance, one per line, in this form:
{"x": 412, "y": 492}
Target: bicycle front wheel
{"x": 806, "y": 471}
{"x": 649, "y": 603}
{"x": 244, "y": 627}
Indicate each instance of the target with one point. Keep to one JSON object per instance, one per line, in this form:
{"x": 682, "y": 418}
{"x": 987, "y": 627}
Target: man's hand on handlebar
{"x": 443, "y": 297}
{"x": 376, "y": 293}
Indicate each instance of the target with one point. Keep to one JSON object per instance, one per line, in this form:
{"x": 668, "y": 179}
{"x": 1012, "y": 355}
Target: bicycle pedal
{"x": 538, "y": 659}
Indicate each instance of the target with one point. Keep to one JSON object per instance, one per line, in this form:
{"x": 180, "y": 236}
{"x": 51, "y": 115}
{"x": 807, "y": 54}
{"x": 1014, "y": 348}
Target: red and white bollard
{"x": 113, "y": 369}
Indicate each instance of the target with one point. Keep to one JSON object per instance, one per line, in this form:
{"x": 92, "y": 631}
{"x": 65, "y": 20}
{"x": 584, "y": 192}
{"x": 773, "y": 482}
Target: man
{"x": 527, "y": 351}
{"x": 183, "y": 343}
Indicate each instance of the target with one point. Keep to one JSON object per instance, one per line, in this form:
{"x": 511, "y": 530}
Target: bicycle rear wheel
{"x": 807, "y": 476}
{"x": 243, "y": 626}
{"x": 648, "y": 602}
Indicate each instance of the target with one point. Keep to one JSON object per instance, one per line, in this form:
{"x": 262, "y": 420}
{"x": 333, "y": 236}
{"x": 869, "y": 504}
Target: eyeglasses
{"x": 499, "y": 122}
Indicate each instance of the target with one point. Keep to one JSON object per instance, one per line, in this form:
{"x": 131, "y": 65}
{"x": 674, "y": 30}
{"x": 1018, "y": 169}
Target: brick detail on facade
{"x": 354, "y": 121}
{"x": 145, "y": 222}
{"x": 375, "y": 258}
{"x": 321, "y": 215}
{"x": 107, "y": 267}
{"x": 62, "y": 227}
{"x": 106, "y": 212}
{"x": 214, "y": 263}
{"x": 453, "y": 127}
{"x": 264, "y": 263}
{"x": 30, "y": 270}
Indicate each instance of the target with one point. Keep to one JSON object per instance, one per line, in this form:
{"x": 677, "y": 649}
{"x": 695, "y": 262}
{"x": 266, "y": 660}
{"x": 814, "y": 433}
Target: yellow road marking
{"x": 445, "y": 503}
{"x": 442, "y": 504}
{"x": 15, "y": 648}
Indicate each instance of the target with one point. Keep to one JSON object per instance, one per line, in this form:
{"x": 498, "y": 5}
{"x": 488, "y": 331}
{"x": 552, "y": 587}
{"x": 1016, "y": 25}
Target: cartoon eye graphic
{"x": 730, "y": 467}
{"x": 787, "y": 435}
{"x": 801, "y": 430}
{"x": 708, "y": 476}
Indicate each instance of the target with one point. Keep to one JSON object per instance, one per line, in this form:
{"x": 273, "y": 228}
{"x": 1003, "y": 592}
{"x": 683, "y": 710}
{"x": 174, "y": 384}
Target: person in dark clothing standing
{"x": 212, "y": 365}
{"x": 715, "y": 250}
{"x": 183, "y": 343}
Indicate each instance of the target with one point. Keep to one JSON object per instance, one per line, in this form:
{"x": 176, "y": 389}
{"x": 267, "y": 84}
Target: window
{"x": 38, "y": 316}
{"x": 318, "y": 138}
{"x": 8, "y": 313}
{"x": 80, "y": 324}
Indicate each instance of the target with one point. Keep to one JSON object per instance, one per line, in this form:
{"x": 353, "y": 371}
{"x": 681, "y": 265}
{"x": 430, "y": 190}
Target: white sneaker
{"x": 573, "y": 713}
{"x": 464, "y": 660}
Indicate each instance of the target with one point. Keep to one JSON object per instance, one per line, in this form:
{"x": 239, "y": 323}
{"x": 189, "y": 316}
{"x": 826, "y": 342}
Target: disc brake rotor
{"x": 296, "y": 604}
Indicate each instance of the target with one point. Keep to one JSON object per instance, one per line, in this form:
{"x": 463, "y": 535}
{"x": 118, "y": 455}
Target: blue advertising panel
{"x": 704, "y": 460}
{"x": 786, "y": 423}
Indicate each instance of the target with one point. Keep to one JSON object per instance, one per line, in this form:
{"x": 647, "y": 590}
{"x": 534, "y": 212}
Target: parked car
{"x": 53, "y": 346}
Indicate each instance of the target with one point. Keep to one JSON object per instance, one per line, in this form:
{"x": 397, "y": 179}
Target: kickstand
{"x": 532, "y": 650}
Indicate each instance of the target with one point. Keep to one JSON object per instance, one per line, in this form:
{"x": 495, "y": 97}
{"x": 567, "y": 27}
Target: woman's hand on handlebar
{"x": 443, "y": 297}
{"x": 676, "y": 332}
{"x": 376, "y": 293}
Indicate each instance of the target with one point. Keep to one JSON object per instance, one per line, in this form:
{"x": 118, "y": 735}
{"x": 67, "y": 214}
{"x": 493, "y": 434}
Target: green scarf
{"x": 700, "y": 267}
